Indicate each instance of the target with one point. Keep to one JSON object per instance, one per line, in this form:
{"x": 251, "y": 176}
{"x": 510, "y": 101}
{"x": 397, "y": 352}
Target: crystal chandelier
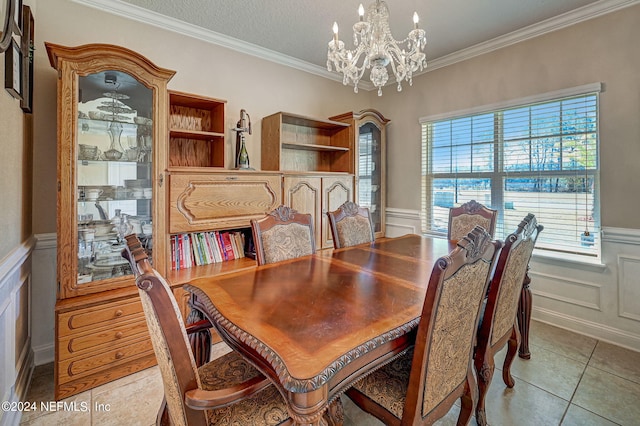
{"x": 377, "y": 48}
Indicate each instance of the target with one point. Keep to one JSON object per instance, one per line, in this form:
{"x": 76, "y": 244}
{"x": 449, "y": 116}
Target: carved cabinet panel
{"x": 204, "y": 201}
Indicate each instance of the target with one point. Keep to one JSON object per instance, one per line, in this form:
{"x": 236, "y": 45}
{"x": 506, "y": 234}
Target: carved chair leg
{"x": 334, "y": 416}
{"x": 524, "y": 317}
{"x": 469, "y": 400}
{"x": 512, "y": 348}
{"x": 485, "y": 375}
{"x": 200, "y": 340}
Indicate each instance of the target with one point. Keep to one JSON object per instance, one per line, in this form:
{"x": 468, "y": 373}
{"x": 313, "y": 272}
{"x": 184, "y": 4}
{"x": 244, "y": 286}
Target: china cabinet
{"x": 316, "y": 157}
{"x": 112, "y": 156}
{"x": 368, "y": 129}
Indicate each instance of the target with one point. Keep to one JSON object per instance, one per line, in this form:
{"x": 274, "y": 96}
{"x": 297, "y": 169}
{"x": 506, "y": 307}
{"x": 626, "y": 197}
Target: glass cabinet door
{"x": 113, "y": 171}
{"x": 369, "y": 171}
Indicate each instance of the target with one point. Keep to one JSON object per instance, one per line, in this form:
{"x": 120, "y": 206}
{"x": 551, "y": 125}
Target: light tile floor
{"x": 569, "y": 380}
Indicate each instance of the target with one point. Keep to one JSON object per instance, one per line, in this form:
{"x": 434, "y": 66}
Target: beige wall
{"x": 15, "y": 171}
{"x": 261, "y": 87}
{"x": 600, "y": 50}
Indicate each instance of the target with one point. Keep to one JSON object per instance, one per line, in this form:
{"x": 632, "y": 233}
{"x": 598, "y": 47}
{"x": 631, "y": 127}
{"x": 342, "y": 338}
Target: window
{"x": 536, "y": 157}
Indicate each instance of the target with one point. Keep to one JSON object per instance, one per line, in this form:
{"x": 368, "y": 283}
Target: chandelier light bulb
{"x": 376, "y": 51}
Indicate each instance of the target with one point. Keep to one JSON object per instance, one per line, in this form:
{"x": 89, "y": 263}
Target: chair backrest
{"x": 350, "y": 225}
{"x": 283, "y": 234}
{"x": 464, "y": 218}
{"x": 506, "y": 284}
{"x": 442, "y": 360}
{"x": 168, "y": 335}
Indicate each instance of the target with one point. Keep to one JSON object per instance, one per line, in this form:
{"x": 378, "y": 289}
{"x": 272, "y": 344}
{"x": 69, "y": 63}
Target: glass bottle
{"x": 243, "y": 155}
{"x": 124, "y": 227}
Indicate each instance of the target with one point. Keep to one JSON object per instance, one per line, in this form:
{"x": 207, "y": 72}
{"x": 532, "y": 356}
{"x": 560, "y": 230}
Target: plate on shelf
{"x": 108, "y": 263}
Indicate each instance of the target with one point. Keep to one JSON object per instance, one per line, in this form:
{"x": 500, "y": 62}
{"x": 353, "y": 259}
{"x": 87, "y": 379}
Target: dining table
{"x": 316, "y": 324}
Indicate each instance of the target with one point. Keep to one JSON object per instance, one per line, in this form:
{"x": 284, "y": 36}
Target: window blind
{"x": 539, "y": 158}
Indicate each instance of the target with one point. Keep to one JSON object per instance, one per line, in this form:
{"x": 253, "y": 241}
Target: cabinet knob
{"x": 119, "y": 335}
{"x": 118, "y": 313}
{"x": 119, "y": 355}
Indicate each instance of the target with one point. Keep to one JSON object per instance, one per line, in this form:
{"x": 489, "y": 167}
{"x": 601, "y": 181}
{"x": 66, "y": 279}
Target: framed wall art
{"x": 17, "y": 17}
{"x": 13, "y": 70}
{"x": 6, "y": 23}
{"x": 28, "y": 28}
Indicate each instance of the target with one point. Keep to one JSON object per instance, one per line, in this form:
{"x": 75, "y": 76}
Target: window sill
{"x": 570, "y": 260}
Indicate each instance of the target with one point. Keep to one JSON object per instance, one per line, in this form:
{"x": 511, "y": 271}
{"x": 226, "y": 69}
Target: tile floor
{"x": 570, "y": 380}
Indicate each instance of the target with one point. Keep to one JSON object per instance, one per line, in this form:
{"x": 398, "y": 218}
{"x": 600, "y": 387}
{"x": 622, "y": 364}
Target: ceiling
{"x": 296, "y": 32}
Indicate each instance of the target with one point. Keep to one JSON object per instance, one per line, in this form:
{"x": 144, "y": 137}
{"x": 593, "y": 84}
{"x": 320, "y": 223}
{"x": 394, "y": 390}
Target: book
{"x": 173, "y": 253}
{"x": 207, "y": 247}
{"x": 228, "y": 248}
{"x": 213, "y": 242}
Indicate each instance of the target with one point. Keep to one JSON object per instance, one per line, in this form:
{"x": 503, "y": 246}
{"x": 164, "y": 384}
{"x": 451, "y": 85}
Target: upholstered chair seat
{"x": 387, "y": 386}
{"x": 350, "y": 225}
{"x": 264, "y": 408}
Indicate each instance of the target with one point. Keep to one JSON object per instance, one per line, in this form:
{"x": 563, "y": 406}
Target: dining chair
{"x": 499, "y": 326}
{"x": 422, "y": 385}
{"x": 225, "y": 391}
{"x": 350, "y": 225}
{"x": 463, "y": 218}
{"x": 283, "y": 234}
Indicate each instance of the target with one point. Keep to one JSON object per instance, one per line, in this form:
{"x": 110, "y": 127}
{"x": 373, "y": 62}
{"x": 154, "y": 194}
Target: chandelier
{"x": 375, "y": 49}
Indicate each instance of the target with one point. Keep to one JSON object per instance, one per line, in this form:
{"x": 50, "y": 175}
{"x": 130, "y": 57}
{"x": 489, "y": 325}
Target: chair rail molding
{"x": 621, "y": 235}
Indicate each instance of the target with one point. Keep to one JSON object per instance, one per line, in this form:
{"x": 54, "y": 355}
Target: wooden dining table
{"x": 316, "y": 324}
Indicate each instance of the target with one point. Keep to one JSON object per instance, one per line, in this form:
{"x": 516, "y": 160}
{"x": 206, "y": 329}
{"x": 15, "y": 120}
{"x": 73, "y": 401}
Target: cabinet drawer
{"x": 200, "y": 202}
{"x": 76, "y": 344}
{"x": 109, "y": 314}
{"x": 73, "y": 368}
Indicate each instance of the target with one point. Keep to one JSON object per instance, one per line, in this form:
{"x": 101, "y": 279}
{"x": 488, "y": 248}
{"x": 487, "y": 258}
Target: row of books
{"x": 203, "y": 248}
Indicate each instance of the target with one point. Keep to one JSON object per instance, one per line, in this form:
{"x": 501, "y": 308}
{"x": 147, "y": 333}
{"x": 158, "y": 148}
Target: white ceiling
{"x": 296, "y": 32}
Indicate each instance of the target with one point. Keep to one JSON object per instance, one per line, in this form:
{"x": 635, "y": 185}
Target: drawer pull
{"x": 231, "y": 178}
{"x": 118, "y": 313}
{"x": 119, "y": 355}
{"x": 119, "y": 335}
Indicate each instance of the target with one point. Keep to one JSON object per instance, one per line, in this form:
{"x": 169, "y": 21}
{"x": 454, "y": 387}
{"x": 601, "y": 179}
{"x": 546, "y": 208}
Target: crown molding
{"x": 136, "y": 13}
{"x": 564, "y": 20}
{"x": 139, "y": 14}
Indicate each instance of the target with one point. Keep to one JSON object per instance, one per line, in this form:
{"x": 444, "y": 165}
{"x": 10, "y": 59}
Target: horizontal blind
{"x": 540, "y": 158}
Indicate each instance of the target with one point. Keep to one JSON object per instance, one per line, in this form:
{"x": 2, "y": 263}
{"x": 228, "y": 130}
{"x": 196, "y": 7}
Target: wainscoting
{"x": 16, "y": 355}
{"x": 601, "y": 300}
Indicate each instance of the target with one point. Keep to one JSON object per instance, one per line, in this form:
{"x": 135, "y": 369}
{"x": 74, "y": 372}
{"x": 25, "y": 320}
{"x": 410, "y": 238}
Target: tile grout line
{"x": 579, "y": 380}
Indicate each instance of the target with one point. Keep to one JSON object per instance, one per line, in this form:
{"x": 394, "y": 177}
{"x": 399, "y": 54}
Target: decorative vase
{"x": 115, "y": 150}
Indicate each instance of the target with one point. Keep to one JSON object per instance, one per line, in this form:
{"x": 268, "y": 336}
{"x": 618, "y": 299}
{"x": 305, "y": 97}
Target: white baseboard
{"x": 588, "y": 328}
{"x": 44, "y": 354}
